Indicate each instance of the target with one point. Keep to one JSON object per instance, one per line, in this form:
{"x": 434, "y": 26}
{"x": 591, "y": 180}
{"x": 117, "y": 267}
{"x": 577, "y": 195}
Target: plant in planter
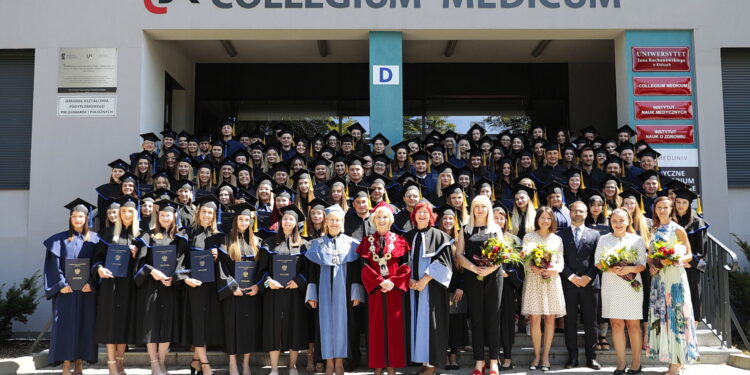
{"x": 17, "y": 303}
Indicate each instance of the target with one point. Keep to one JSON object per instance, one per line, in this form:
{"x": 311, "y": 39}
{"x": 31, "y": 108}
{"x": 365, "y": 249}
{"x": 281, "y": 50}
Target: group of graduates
{"x": 284, "y": 242}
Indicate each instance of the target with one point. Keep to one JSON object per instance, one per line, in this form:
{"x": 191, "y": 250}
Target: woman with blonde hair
{"x": 116, "y": 287}
{"x": 543, "y": 297}
{"x": 484, "y": 289}
{"x": 205, "y": 324}
{"x": 621, "y": 302}
{"x": 444, "y": 180}
{"x": 74, "y": 309}
{"x": 184, "y": 170}
{"x": 524, "y": 211}
{"x": 611, "y": 189}
{"x": 157, "y": 316}
{"x": 238, "y": 293}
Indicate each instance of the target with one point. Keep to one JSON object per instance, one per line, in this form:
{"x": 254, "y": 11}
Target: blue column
{"x": 386, "y": 85}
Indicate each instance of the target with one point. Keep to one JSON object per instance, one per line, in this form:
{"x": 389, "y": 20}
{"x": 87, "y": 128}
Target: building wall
{"x": 592, "y": 95}
{"x": 69, "y": 156}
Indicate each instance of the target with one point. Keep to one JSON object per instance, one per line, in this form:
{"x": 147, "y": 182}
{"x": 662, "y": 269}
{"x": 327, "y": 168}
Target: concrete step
{"x": 705, "y": 338}
{"x": 522, "y": 355}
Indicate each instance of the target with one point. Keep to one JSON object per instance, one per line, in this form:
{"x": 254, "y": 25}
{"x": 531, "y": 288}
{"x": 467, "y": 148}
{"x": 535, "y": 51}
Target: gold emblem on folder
{"x": 245, "y": 274}
{"x": 164, "y": 258}
{"x": 117, "y": 257}
{"x": 284, "y": 267}
{"x": 203, "y": 263}
{"x": 78, "y": 271}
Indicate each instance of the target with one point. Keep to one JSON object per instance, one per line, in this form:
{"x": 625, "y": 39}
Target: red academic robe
{"x": 386, "y": 336}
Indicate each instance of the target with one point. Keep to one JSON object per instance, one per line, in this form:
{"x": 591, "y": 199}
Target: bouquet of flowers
{"x": 537, "y": 255}
{"x": 623, "y": 256}
{"x": 496, "y": 252}
{"x": 665, "y": 253}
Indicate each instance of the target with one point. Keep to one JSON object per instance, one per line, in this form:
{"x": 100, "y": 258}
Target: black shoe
{"x": 631, "y": 371}
{"x": 619, "y": 372}
{"x": 593, "y": 364}
{"x": 572, "y": 363}
{"x": 506, "y": 368}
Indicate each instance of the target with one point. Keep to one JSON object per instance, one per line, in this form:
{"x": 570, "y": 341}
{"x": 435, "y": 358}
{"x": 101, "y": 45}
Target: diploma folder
{"x": 77, "y": 272}
{"x": 165, "y": 259}
{"x": 202, "y": 266}
{"x": 118, "y": 260}
{"x": 244, "y": 273}
{"x": 284, "y": 268}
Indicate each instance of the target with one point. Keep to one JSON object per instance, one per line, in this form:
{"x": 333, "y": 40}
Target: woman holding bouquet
{"x": 484, "y": 290}
{"x": 542, "y": 288}
{"x": 621, "y": 286}
{"x": 513, "y": 272}
{"x": 672, "y": 335}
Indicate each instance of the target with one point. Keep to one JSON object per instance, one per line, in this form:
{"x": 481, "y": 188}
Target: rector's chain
{"x": 160, "y": 6}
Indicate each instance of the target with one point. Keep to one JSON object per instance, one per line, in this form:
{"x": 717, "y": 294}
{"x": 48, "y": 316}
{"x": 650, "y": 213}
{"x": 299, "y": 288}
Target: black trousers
{"x": 484, "y": 312}
{"x": 583, "y": 301}
{"x": 508, "y": 326}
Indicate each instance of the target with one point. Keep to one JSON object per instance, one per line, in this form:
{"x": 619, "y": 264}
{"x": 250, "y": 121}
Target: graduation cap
{"x": 647, "y": 175}
{"x": 209, "y": 201}
{"x": 127, "y": 201}
{"x": 162, "y": 194}
{"x": 294, "y": 211}
{"x": 476, "y": 126}
{"x": 144, "y": 155}
{"x": 420, "y": 155}
{"x": 246, "y": 196}
{"x": 380, "y": 137}
{"x": 347, "y": 138}
{"x": 283, "y": 191}
{"x": 675, "y": 185}
{"x": 162, "y": 173}
{"x": 220, "y": 143}
{"x": 484, "y": 182}
{"x": 648, "y": 151}
{"x": 227, "y": 187}
{"x": 446, "y": 166}
{"x": 258, "y": 145}
{"x": 690, "y": 196}
{"x": 328, "y": 150}
{"x": 169, "y": 134}
{"x": 300, "y": 174}
{"x": 436, "y": 148}
{"x": 184, "y": 134}
{"x": 336, "y": 180}
{"x": 150, "y": 137}
{"x": 575, "y": 172}
{"x": 626, "y": 129}
{"x": 612, "y": 159}
{"x": 411, "y": 185}
{"x": 635, "y": 195}
{"x": 356, "y": 126}
{"x": 243, "y": 167}
{"x": 128, "y": 177}
{"x": 498, "y": 204}
{"x": 318, "y": 204}
{"x": 354, "y": 159}
{"x": 382, "y": 158}
{"x": 553, "y": 187}
{"x": 400, "y": 145}
{"x": 167, "y": 205}
{"x": 229, "y": 162}
{"x": 119, "y": 164}
{"x": 281, "y": 166}
{"x": 204, "y": 138}
{"x": 244, "y": 209}
{"x": 616, "y": 179}
{"x": 285, "y": 130}
{"x": 465, "y": 171}
{"x": 486, "y": 139}
{"x": 318, "y": 161}
{"x": 625, "y": 146}
{"x": 379, "y": 178}
{"x": 407, "y": 176}
{"x": 445, "y": 210}
{"x": 80, "y": 205}
{"x": 589, "y": 130}
{"x": 530, "y": 192}
{"x": 332, "y": 133}
{"x": 453, "y": 189}
{"x": 240, "y": 152}
{"x": 450, "y": 134}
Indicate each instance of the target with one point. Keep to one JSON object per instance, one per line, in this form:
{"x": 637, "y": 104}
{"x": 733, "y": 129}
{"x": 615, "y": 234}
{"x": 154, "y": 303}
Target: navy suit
{"x": 579, "y": 260}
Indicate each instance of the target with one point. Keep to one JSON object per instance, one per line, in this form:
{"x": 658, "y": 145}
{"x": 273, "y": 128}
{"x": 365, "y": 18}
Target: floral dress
{"x": 671, "y": 333}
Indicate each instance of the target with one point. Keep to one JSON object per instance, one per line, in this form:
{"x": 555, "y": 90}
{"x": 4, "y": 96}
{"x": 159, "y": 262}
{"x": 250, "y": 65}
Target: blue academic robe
{"x": 74, "y": 314}
{"x": 336, "y": 284}
{"x": 430, "y": 255}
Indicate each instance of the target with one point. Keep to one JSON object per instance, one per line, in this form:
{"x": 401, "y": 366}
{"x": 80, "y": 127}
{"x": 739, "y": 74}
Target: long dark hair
{"x": 72, "y": 232}
{"x": 654, "y": 217}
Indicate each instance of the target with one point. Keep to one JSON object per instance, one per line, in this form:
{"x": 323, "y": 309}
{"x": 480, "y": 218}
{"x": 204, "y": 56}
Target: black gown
{"x": 105, "y": 193}
{"x": 285, "y": 320}
{"x": 186, "y": 214}
{"x": 402, "y": 222}
{"x": 158, "y": 307}
{"x": 115, "y": 305}
{"x": 202, "y": 315}
{"x": 511, "y": 303}
{"x": 434, "y": 246}
{"x": 242, "y": 315}
{"x": 485, "y": 297}
{"x": 357, "y": 227}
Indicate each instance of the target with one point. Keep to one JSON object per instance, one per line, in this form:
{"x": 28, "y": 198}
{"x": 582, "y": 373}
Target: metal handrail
{"x": 716, "y": 304}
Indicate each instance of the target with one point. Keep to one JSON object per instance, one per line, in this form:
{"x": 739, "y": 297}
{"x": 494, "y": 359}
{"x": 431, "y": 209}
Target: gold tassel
{"x": 346, "y": 190}
{"x": 390, "y": 172}
{"x": 369, "y": 203}
{"x": 621, "y": 186}
{"x": 622, "y": 169}
{"x": 536, "y": 201}
{"x": 658, "y": 182}
{"x": 428, "y": 167}
{"x": 311, "y": 151}
{"x": 656, "y": 164}
{"x": 699, "y": 209}
{"x": 304, "y": 229}
{"x": 605, "y": 209}
{"x": 213, "y": 177}
{"x": 234, "y": 131}
{"x": 643, "y": 207}
{"x": 255, "y": 223}
{"x": 386, "y": 198}
{"x": 583, "y": 185}
{"x": 508, "y": 223}
{"x": 559, "y": 152}
{"x": 492, "y": 194}
{"x": 455, "y": 228}
{"x": 484, "y": 159}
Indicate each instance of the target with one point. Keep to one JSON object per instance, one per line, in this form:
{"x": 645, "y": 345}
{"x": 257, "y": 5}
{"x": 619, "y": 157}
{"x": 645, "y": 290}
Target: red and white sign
{"x": 661, "y": 59}
{"x": 662, "y": 86}
{"x": 664, "y": 110}
{"x": 666, "y": 134}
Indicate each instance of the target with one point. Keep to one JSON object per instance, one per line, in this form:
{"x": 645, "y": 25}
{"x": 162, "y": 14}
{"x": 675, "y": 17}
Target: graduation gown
{"x": 115, "y": 305}
{"x": 74, "y": 314}
{"x": 357, "y": 227}
{"x": 386, "y": 336}
{"x": 428, "y": 310}
{"x": 202, "y": 315}
{"x": 335, "y": 282}
{"x": 402, "y": 222}
{"x": 104, "y": 193}
{"x": 284, "y": 310}
{"x": 242, "y": 315}
{"x": 186, "y": 214}
{"x": 697, "y": 232}
{"x": 158, "y": 307}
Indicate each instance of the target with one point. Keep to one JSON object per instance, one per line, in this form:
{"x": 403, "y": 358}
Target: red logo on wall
{"x": 662, "y": 86}
{"x": 153, "y": 8}
{"x": 666, "y": 134}
{"x": 677, "y": 110}
{"x": 661, "y": 59}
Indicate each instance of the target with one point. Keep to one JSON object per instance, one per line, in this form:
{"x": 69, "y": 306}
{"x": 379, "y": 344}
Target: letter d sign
{"x": 386, "y": 75}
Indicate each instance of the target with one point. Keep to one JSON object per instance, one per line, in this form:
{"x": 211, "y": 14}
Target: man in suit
{"x": 579, "y": 280}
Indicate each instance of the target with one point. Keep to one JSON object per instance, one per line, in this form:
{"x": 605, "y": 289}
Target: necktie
{"x": 577, "y": 236}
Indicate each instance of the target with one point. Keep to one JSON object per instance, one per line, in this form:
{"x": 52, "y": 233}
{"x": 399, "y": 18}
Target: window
{"x": 16, "y": 101}
{"x": 735, "y": 68}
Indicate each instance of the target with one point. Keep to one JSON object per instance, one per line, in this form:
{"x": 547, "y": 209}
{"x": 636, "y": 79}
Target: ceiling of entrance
{"x": 349, "y": 51}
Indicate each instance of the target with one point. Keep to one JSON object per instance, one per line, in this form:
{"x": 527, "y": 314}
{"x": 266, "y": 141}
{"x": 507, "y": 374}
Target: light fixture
{"x": 229, "y": 47}
{"x": 450, "y": 48}
{"x": 540, "y": 48}
{"x": 323, "y": 48}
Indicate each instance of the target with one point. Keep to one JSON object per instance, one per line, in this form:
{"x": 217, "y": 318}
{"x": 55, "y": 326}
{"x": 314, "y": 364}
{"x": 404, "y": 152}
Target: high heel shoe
{"x": 156, "y": 363}
{"x": 110, "y": 364}
{"x": 122, "y": 364}
{"x": 193, "y": 371}
{"x": 209, "y": 367}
